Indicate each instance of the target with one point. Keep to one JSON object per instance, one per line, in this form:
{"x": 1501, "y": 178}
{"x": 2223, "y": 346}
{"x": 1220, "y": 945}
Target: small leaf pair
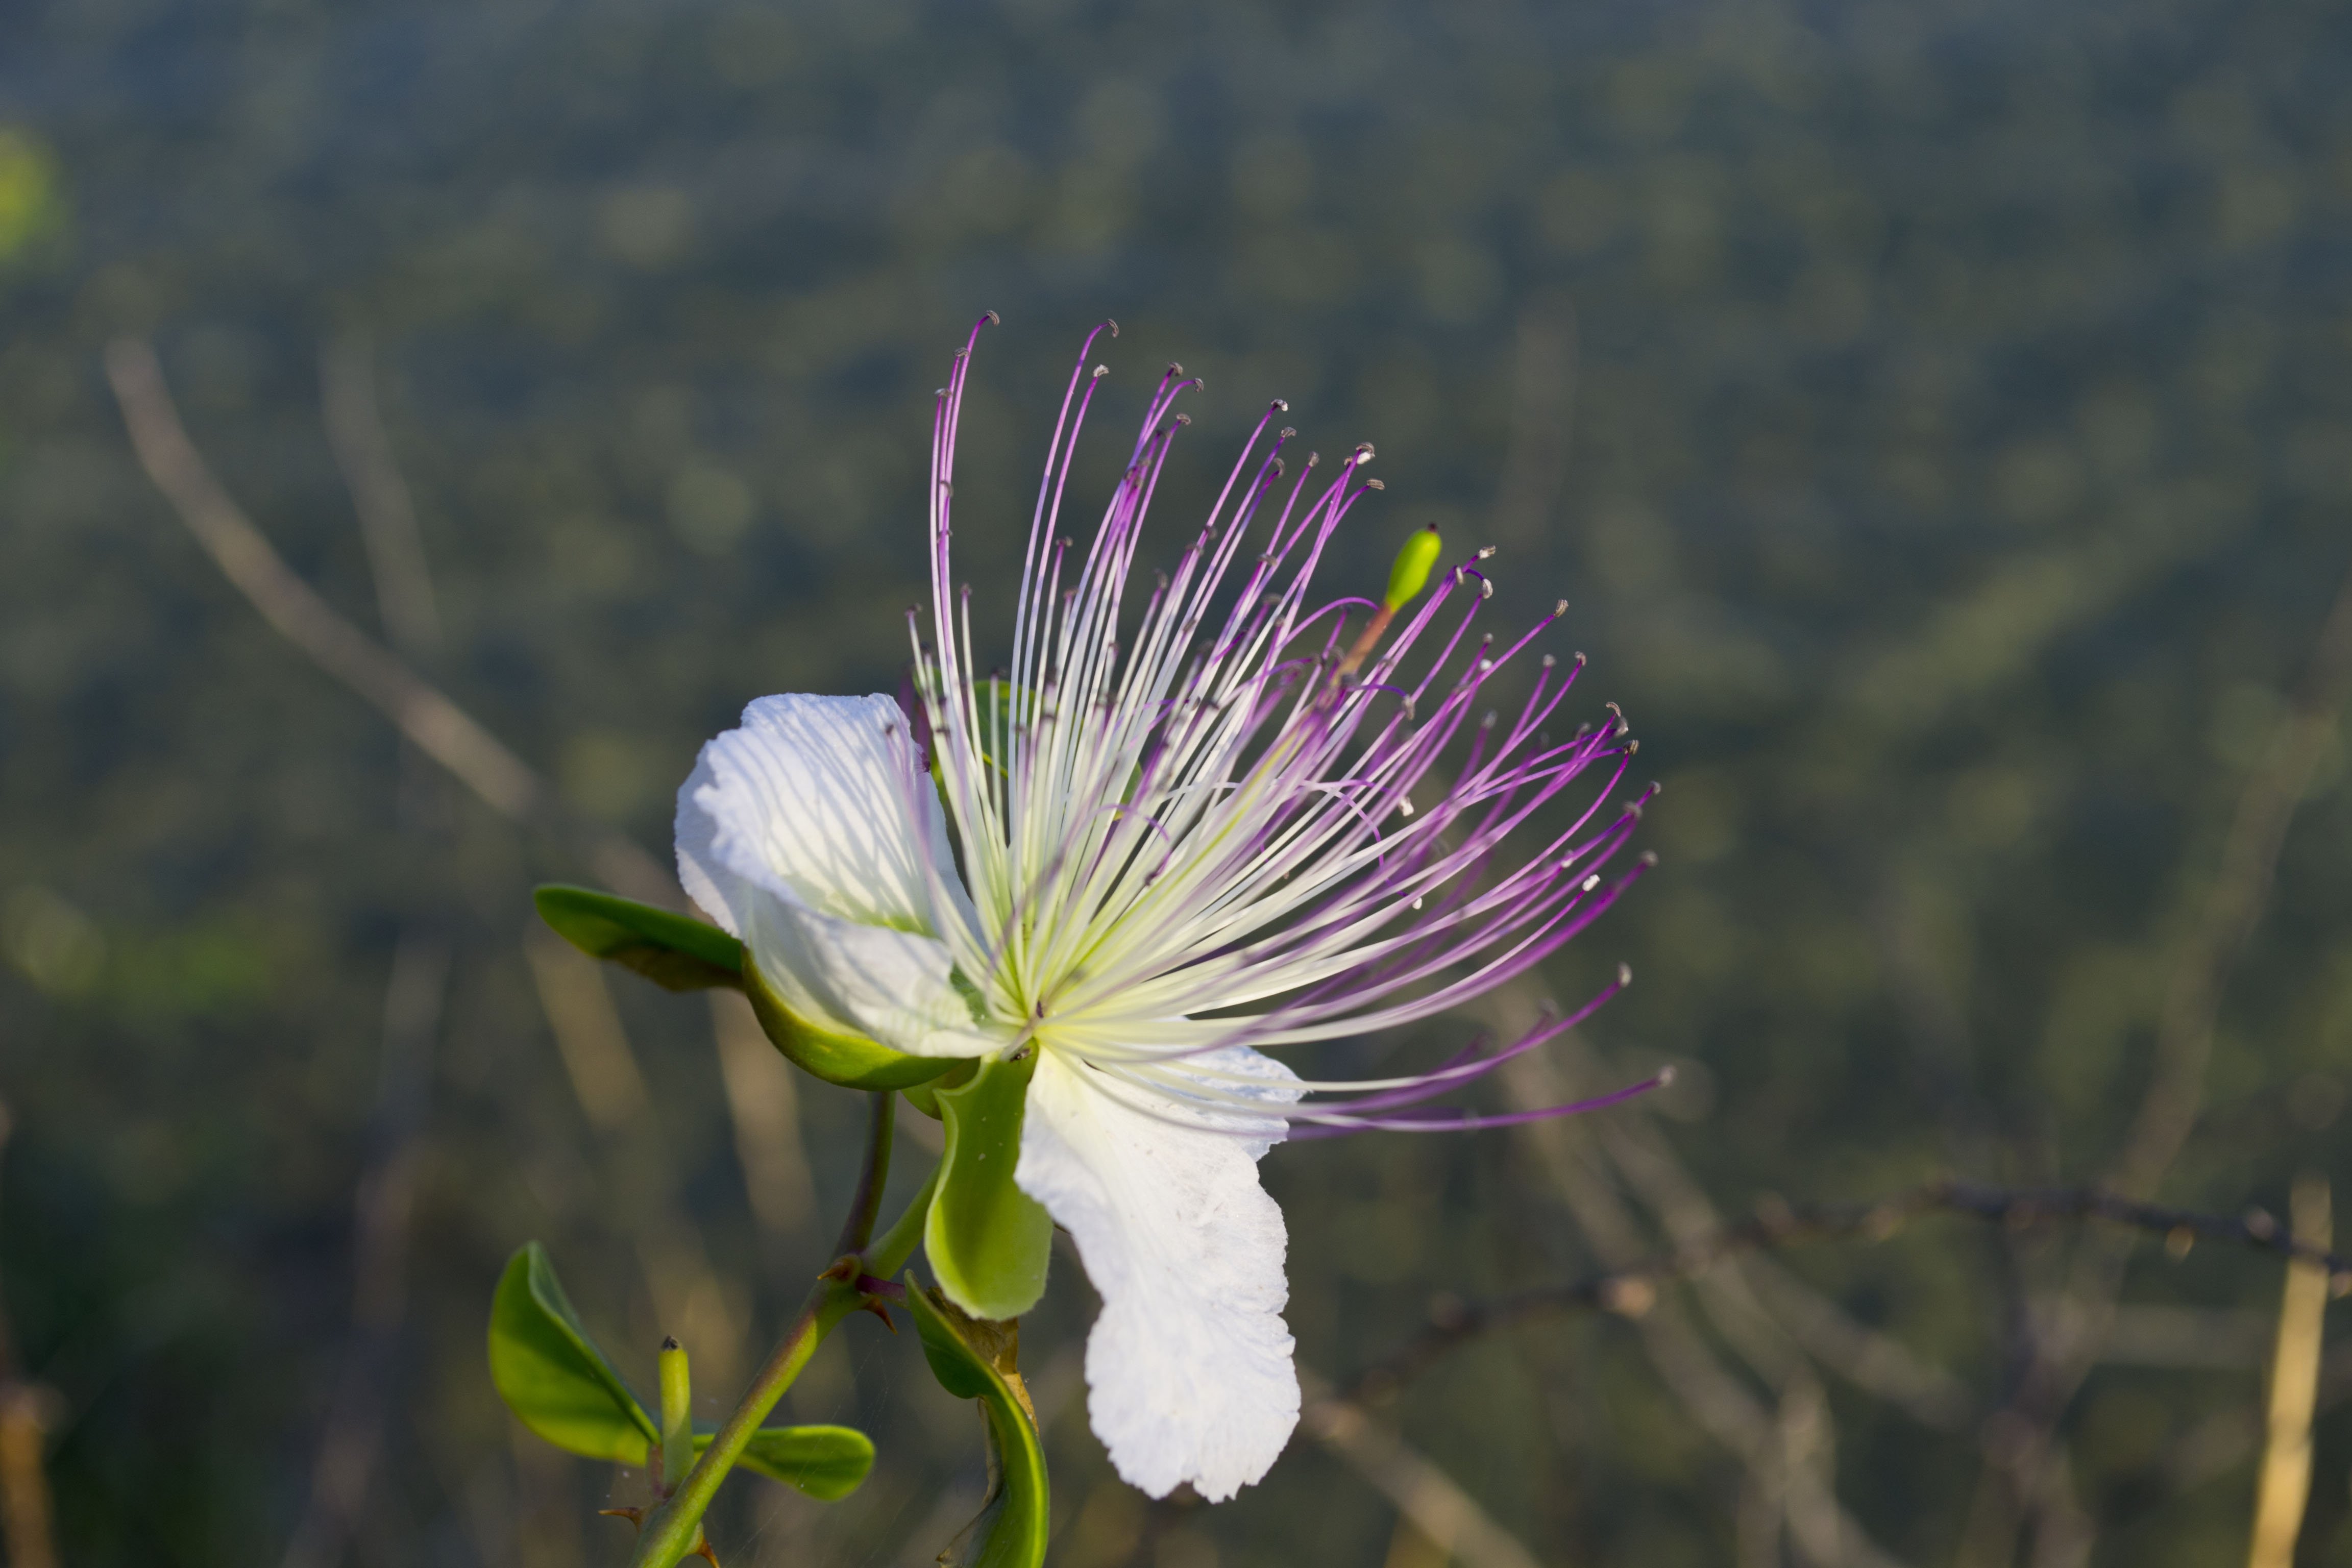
{"x": 558, "y": 1384}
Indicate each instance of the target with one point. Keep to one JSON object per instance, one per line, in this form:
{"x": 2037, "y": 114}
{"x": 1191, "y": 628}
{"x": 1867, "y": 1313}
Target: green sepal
{"x": 551, "y": 1375}
{"x": 987, "y": 1241}
{"x": 825, "y": 1462}
{"x": 850, "y": 1061}
{"x": 925, "y": 1096}
{"x": 1012, "y": 1525}
{"x": 671, "y": 951}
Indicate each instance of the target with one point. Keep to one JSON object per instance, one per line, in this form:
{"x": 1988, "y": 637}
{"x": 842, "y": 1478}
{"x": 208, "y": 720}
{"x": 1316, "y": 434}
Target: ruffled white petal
{"x": 797, "y": 832}
{"x": 1190, "y": 1363}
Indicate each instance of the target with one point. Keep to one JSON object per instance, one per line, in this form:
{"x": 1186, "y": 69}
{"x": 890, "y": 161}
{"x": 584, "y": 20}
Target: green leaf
{"x": 554, "y": 1379}
{"x": 849, "y": 1060}
{"x": 668, "y": 949}
{"x": 977, "y": 1361}
{"x": 551, "y": 1375}
{"x": 987, "y": 1241}
{"x": 826, "y": 1462}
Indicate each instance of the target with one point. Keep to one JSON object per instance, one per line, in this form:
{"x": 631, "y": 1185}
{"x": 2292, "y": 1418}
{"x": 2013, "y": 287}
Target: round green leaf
{"x": 551, "y": 1375}
{"x": 987, "y": 1241}
{"x": 825, "y": 1462}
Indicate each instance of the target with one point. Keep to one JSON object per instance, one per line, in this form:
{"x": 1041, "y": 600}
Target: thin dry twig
{"x": 688, "y": 1299}
{"x": 763, "y": 1102}
{"x": 2063, "y": 1338}
{"x": 352, "y": 1440}
{"x": 28, "y": 1412}
{"x": 1543, "y": 411}
{"x": 1448, "y": 1517}
{"x": 403, "y": 585}
{"x": 1632, "y": 1291}
{"x": 436, "y": 725}
{"x": 2282, "y": 1486}
{"x": 2234, "y": 906}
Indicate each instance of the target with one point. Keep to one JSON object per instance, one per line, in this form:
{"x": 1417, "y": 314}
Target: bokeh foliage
{"x": 1936, "y": 414}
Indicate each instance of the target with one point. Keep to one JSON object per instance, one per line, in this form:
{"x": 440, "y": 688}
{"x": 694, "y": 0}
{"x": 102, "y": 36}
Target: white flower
{"x": 1143, "y": 862}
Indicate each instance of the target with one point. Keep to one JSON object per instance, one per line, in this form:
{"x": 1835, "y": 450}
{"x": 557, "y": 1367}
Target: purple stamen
{"x": 1293, "y": 893}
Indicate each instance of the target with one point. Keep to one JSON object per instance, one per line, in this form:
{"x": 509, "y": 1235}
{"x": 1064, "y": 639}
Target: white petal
{"x": 1190, "y": 1364}
{"x": 797, "y": 833}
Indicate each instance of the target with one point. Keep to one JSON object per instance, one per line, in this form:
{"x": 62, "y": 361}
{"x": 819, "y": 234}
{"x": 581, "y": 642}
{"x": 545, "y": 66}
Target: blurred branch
{"x": 352, "y": 1440}
{"x": 437, "y": 726}
{"x": 1943, "y": 1048}
{"x": 1722, "y": 1403}
{"x": 763, "y": 1102}
{"x": 1632, "y": 1291}
{"x": 603, "y": 1072}
{"x": 1450, "y": 1518}
{"x": 27, "y": 1411}
{"x": 2225, "y": 1439}
{"x": 645, "y": 1204}
{"x": 256, "y": 569}
{"x": 2282, "y": 1486}
{"x": 2233, "y": 908}
{"x": 1543, "y": 409}
{"x": 1797, "y": 1315}
{"x": 403, "y": 587}
{"x": 2063, "y": 1338}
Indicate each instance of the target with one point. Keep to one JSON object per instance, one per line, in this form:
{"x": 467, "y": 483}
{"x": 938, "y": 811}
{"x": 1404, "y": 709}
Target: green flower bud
{"x": 677, "y": 1416}
{"x": 1410, "y": 576}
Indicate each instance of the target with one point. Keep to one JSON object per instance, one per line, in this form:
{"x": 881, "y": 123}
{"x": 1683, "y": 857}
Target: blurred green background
{"x": 1937, "y": 415}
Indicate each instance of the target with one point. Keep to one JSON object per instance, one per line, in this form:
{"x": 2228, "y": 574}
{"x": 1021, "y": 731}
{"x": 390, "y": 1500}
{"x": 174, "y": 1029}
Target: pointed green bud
{"x": 677, "y": 1416}
{"x": 1410, "y": 576}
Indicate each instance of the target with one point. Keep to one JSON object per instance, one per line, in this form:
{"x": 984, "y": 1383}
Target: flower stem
{"x": 881, "y": 1121}
{"x": 672, "y": 1530}
{"x": 890, "y": 1255}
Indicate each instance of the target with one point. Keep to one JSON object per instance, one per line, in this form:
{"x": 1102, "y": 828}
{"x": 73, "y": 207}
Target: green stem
{"x": 881, "y": 1121}
{"x": 672, "y": 1530}
{"x": 890, "y": 1255}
